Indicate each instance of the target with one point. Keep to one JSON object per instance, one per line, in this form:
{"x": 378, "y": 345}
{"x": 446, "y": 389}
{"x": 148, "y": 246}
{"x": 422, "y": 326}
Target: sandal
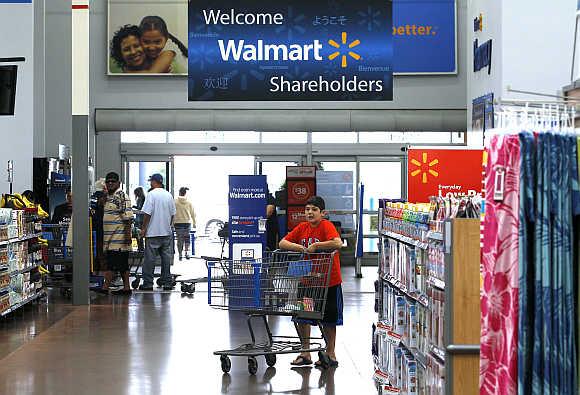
{"x": 324, "y": 361}
{"x": 301, "y": 361}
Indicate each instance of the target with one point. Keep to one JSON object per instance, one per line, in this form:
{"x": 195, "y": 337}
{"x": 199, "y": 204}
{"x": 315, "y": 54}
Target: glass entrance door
{"x": 137, "y": 173}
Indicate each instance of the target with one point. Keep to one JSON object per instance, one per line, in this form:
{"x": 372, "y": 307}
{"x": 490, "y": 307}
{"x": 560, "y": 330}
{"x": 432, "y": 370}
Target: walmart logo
{"x": 240, "y": 50}
{"x": 425, "y": 168}
{"x": 336, "y": 54}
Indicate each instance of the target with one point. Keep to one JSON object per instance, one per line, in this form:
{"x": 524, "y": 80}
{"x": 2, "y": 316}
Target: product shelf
{"x": 396, "y": 284}
{"x": 20, "y": 239}
{"x": 437, "y": 283}
{"x": 435, "y": 236}
{"x": 25, "y": 270}
{"x": 456, "y": 323}
{"x": 406, "y": 240}
{"x": 438, "y": 353}
{"x": 418, "y": 355}
{"x": 22, "y": 303}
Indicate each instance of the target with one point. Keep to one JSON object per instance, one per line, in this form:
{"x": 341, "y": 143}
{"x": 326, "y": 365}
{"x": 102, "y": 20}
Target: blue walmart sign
{"x": 293, "y": 50}
{"x": 424, "y": 36}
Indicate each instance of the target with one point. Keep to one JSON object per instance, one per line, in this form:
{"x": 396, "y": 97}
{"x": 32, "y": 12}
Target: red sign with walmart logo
{"x": 433, "y": 172}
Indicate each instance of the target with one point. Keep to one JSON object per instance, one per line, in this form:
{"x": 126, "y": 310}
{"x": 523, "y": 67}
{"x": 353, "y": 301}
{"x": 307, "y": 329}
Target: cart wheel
{"x": 252, "y": 365}
{"x": 158, "y": 282}
{"x": 135, "y": 283}
{"x": 324, "y": 360}
{"x": 191, "y": 288}
{"x": 184, "y": 288}
{"x": 226, "y": 363}
{"x": 270, "y": 359}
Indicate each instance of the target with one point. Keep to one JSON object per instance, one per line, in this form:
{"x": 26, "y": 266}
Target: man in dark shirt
{"x": 63, "y": 211}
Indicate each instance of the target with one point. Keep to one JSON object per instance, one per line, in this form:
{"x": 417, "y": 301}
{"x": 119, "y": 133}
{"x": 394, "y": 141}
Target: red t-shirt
{"x": 306, "y": 234}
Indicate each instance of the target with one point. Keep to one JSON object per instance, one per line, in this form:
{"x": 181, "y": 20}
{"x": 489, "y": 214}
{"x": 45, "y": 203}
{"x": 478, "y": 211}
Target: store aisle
{"x": 162, "y": 343}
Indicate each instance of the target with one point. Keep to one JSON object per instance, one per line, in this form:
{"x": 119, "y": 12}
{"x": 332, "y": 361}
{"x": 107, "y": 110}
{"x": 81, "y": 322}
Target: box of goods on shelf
{"x": 409, "y": 339}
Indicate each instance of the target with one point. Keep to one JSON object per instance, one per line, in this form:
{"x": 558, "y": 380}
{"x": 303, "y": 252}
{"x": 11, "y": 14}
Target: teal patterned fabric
{"x": 526, "y": 252}
{"x": 550, "y": 199}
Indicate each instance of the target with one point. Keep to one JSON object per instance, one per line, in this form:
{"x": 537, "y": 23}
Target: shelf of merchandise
{"x": 25, "y": 270}
{"x": 393, "y": 282}
{"x": 459, "y": 357}
{"x": 406, "y": 240}
{"x": 22, "y": 303}
{"x": 437, "y": 283}
{"x": 20, "y": 239}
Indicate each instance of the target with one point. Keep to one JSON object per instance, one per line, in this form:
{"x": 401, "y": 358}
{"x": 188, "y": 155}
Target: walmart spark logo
{"x": 336, "y": 54}
{"x": 425, "y": 168}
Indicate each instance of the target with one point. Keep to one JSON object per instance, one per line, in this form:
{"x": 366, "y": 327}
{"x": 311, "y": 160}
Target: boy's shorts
{"x": 118, "y": 261}
{"x": 333, "y": 309}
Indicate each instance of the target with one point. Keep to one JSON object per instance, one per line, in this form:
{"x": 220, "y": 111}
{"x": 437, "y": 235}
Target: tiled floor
{"x": 163, "y": 343}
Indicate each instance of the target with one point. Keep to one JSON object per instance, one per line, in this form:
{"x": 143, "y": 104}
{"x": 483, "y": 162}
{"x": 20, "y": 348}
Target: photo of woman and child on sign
{"x": 147, "y": 47}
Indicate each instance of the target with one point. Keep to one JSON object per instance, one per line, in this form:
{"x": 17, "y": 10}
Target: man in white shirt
{"x": 158, "y": 210}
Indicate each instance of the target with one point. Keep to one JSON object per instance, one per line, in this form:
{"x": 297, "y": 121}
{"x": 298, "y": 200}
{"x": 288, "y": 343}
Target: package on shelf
{"x": 422, "y": 329}
{"x": 435, "y": 376}
{"x": 15, "y": 298}
{"x": 410, "y": 334}
{"x": 4, "y": 301}
{"x": 400, "y": 322}
{"x": 420, "y": 277}
{"x": 4, "y": 278}
{"x": 408, "y": 374}
{"x": 5, "y": 216}
{"x": 13, "y": 232}
{"x": 436, "y": 259}
{"x": 17, "y": 283}
{"x": 4, "y": 255}
{"x": 437, "y": 317}
{"x": 20, "y": 255}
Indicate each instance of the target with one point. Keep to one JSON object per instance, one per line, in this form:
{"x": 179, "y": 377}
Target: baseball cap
{"x": 156, "y": 177}
{"x": 316, "y": 201}
{"x": 112, "y": 176}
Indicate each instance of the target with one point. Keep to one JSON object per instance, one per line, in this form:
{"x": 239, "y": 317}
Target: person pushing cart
{"x": 303, "y": 283}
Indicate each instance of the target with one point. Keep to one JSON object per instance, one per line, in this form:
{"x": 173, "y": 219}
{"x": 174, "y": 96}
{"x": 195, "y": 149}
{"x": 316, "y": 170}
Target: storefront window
{"x": 214, "y": 137}
{"x": 143, "y": 137}
{"x": 285, "y": 137}
{"x": 334, "y": 137}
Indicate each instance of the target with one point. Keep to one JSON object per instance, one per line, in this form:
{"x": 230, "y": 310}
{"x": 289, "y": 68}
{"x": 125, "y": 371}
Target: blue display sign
{"x": 424, "y": 36}
{"x": 247, "y": 212}
{"x": 290, "y": 50}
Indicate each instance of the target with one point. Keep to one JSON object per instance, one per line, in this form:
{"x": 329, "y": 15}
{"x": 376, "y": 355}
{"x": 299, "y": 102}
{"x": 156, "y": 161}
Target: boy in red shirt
{"x": 315, "y": 235}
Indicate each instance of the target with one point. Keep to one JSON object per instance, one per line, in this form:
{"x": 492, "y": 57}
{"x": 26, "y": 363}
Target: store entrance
{"x": 207, "y": 178}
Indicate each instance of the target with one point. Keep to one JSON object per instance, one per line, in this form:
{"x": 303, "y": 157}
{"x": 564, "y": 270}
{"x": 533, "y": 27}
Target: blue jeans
{"x": 183, "y": 238}
{"x": 163, "y": 246}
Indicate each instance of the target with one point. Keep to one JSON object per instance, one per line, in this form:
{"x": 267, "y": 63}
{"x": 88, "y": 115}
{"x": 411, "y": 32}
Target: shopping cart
{"x": 57, "y": 258}
{"x": 282, "y": 283}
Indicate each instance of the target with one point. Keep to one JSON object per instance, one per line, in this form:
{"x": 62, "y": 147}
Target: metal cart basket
{"x": 281, "y": 283}
{"x": 58, "y": 258}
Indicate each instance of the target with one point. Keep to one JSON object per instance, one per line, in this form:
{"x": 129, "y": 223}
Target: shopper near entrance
{"x": 159, "y": 214}
{"x": 139, "y": 202}
{"x": 316, "y": 235}
{"x": 184, "y": 221}
{"x": 117, "y": 222}
{"x": 97, "y": 209}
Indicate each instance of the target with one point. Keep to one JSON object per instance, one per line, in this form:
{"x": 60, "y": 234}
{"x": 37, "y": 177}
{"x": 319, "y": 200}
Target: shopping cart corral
{"x": 283, "y": 284}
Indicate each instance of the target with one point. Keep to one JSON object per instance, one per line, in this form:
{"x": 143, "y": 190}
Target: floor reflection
{"x": 163, "y": 343}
